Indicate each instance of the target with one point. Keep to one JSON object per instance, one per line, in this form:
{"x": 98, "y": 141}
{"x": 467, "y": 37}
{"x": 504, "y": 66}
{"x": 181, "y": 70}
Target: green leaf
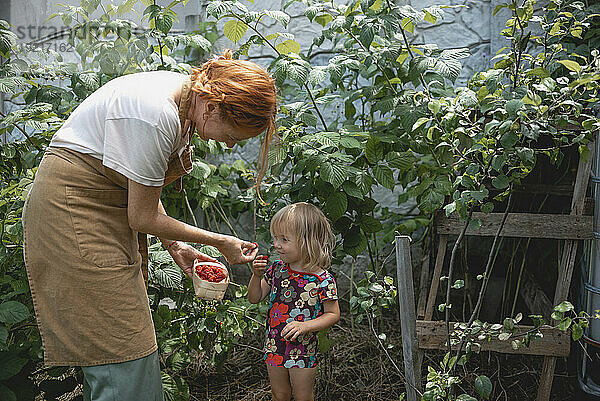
{"x": 317, "y": 75}
{"x": 487, "y": 207}
{"x": 576, "y": 332}
{"x": 539, "y": 72}
{"x": 370, "y": 225}
{"x": 199, "y": 41}
{"x": 324, "y": 342}
{"x": 289, "y": 46}
{"x": 483, "y": 385}
{"x": 90, "y": 80}
{"x": 449, "y": 69}
{"x": 513, "y": 106}
{"x": 584, "y": 152}
{"x": 431, "y": 201}
{"x": 6, "y": 394}
{"x": 3, "y": 336}
{"x": 570, "y": 65}
{"x": 355, "y": 242}
{"x": 200, "y": 170}
{"x": 504, "y": 336}
{"x": 13, "y": 312}
{"x": 323, "y": 19}
{"x": 350, "y": 142}
{"x": 367, "y": 33}
{"x": 430, "y": 17}
{"x": 565, "y": 324}
{"x": 164, "y": 23}
{"x": 408, "y": 25}
{"x": 168, "y": 276}
{"x": 279, "y": 16}
{"x": 309, "y": 119}
{"x": 10, "y": 364}
{"x": 12, "y": 85}
{"x": 298, "y": 72}
{"x": 334, "y": 173}
{"x": 123, "y": 8}
{"x": 500, "y": 182}
{"x": 175, "y": 388}
{"x": 458, "y": 284}
{"x": 384, "y": 176}
{"x": 374, "y": 150}
{"x": 364, "y": 182}
{"x": 420, "y": 122}
{"x": 564, "y": 306}
{"x": 7, "y": 41}
{"x": 498, "y": 8}
{"x": 217, "y": 9}
{"x": 377, "y": 4}
{"x": 450, "y": 208}
{"x": 235, "y": 30}
{"x": 336, "y": 205}
{"x": 401, "y": 160}
{"x": 352, "y": 189}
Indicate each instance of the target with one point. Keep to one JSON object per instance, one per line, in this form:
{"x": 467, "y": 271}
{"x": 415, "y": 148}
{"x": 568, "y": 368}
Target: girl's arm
{"x": 146, "y": 214}
{"x": 330, "y": 316}
{"x": 258, "y": 288}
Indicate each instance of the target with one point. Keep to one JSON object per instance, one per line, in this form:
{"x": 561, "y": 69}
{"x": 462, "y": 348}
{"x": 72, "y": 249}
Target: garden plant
{"x": 399, "y": 124}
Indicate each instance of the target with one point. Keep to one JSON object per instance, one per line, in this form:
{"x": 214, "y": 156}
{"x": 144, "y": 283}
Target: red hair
{"x": 246, "y": 96}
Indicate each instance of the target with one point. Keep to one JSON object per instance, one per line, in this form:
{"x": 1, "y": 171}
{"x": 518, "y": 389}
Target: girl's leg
{"x": 280, "y": 383}
{"x": 303, "y": 383}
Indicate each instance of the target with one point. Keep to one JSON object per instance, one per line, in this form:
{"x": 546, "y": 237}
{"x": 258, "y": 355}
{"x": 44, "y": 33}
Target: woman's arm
{"x": 330, "y": 316}
{"x": 146, "y": 215}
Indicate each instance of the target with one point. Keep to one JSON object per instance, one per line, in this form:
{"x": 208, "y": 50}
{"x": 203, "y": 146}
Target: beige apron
{"x": 87, "y": 268}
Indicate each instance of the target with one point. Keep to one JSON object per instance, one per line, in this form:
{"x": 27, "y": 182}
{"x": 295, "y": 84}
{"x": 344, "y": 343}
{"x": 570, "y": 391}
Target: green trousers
{"x": 137, "y": 380}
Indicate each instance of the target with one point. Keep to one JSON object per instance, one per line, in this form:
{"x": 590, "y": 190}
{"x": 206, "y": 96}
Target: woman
{"x": 98, "y": 188}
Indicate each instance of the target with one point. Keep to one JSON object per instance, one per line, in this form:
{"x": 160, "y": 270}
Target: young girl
{"x": 303, "y": 298}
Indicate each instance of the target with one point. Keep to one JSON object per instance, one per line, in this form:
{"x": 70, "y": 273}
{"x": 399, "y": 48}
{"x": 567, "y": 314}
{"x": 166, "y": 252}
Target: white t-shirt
{"x": 131, "y": 124}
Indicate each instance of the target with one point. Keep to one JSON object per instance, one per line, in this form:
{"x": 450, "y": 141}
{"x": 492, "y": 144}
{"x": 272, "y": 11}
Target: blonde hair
{"x": 314, "y": 237}
{"x": 245, "y": 94}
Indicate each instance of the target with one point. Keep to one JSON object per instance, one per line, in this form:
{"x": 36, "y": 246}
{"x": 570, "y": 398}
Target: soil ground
{"x": 357, "y": 369}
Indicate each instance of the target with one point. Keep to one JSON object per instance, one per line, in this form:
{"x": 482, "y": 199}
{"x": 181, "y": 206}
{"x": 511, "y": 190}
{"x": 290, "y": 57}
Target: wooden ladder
{"x": 573, "y": 228}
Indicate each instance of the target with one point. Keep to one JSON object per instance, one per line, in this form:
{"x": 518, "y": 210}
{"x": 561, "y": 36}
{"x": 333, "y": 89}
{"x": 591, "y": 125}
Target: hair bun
{"x": 227, "y": 54}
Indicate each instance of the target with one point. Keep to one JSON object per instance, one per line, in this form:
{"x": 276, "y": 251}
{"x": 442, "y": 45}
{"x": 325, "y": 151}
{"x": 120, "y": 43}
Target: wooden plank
{"x": 525, "y": 225}
{"x": 437, "y": 273}
{"x": 423, "y": 284}
{"x": 432, "y": 335}
{"x": 543, "y": 189}
{"x": 406, "y": 303}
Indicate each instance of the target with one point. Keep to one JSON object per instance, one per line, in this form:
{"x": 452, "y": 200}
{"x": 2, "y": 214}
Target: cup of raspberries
{"x": 210, "y": 280}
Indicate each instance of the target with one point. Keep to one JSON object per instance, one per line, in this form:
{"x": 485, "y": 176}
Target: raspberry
{"x": 210, "y": 273}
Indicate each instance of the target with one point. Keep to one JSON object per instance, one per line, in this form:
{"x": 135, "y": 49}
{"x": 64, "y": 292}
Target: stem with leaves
{"x": 305, "y": 85}
{"x": 486, "y": 278}
{"x": 450, "y": 270}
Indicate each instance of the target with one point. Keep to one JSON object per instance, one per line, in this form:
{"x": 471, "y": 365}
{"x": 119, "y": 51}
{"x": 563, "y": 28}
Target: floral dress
{"x": 294, "y": 296}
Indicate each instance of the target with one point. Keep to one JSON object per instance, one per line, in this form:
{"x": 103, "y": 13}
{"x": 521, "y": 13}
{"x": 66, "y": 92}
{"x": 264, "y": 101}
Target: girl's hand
{"x": 236, "y": 251}
{"x": 184, "y": 255}
{"x": 293, "y": 330}
{"x": 259, "y": 265}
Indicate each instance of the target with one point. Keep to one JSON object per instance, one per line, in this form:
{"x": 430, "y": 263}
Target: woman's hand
{"x": 184, "y": 255}
{"x": 236, "y": 251}
{"x": 293, "y": 330}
